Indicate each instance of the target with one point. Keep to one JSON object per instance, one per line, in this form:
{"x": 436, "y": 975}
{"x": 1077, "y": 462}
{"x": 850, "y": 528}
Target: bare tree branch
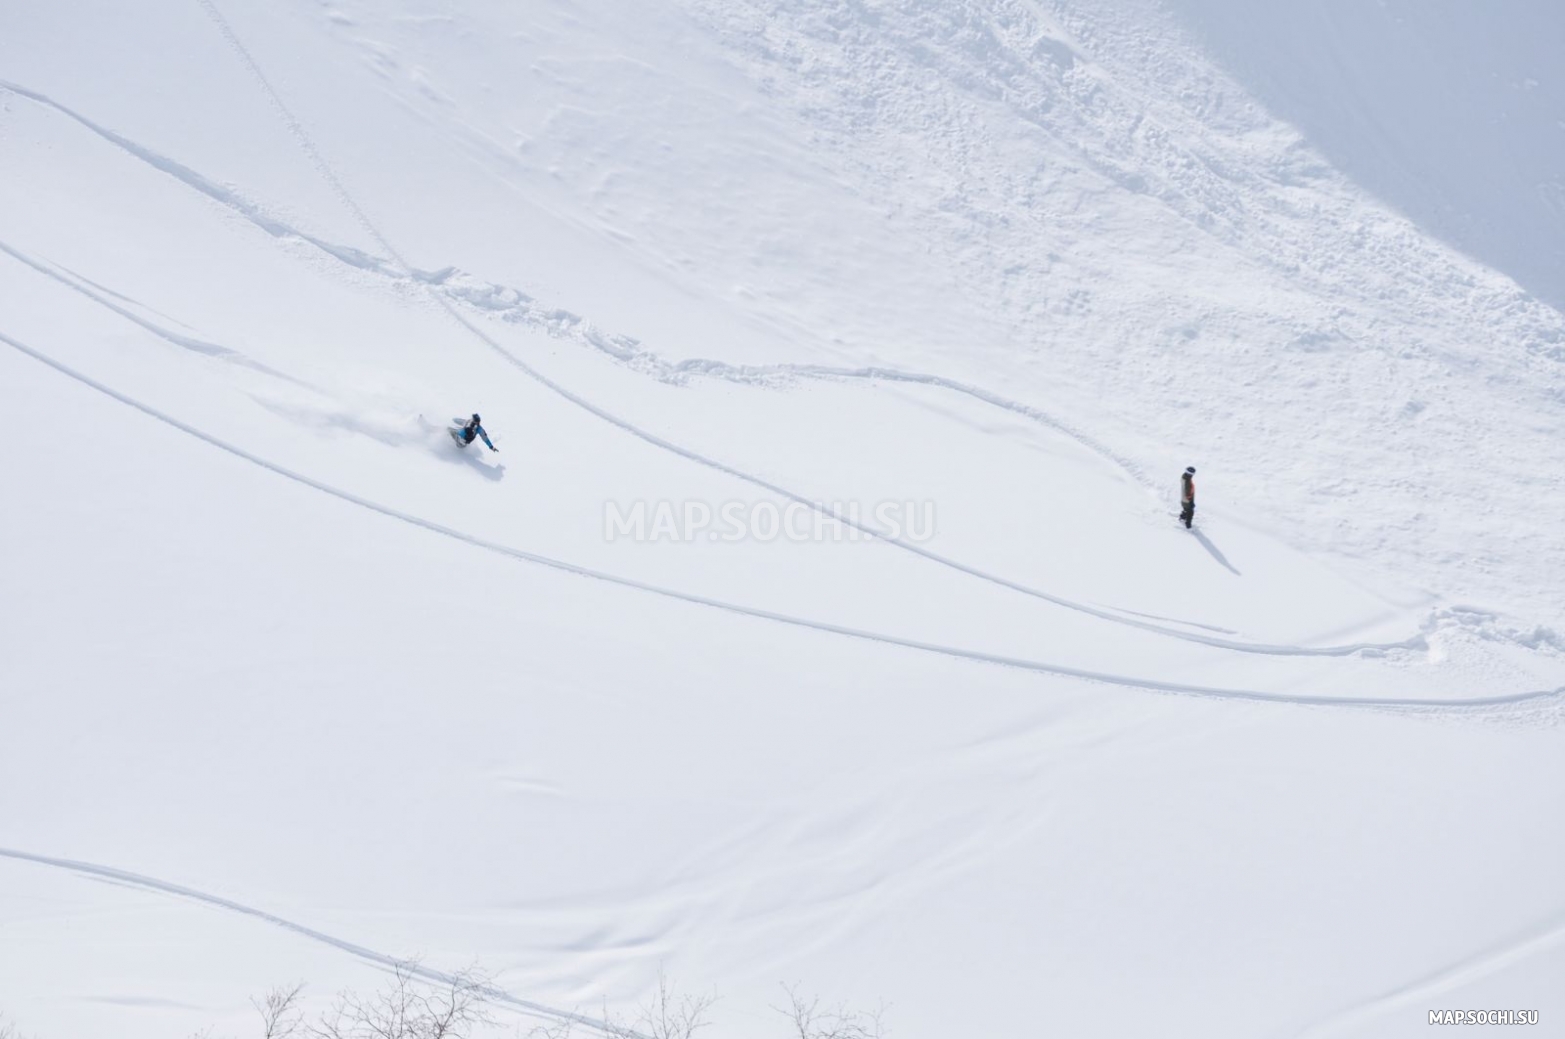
{"x": 672, "y": 1015}
{"x": 811, "y": 1022}
{"x": 280, "y": 1012}
{"x": 552, "y": 1030}
{"x": 668, "y": 1014}
{"x": 9, "y": 1031}
{"x": 407, "y": 1008}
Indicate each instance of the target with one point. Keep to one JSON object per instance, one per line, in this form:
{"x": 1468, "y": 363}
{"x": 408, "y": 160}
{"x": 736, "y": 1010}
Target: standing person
{"x": 1187, "y": 496}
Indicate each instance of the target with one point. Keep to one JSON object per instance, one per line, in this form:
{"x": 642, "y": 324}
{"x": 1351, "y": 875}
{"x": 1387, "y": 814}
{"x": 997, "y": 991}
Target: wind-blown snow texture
{"x": 312, "y": 690}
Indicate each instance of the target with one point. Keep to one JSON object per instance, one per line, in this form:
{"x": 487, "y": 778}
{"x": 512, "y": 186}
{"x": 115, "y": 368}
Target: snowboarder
{"x": 1186, "y": 496}
{"x": 474, "y": 428}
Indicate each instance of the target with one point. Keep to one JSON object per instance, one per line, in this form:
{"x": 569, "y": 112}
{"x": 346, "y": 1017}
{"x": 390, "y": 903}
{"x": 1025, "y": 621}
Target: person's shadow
{"x": 461, "y": 456}
{"x": 1217, "y": 554}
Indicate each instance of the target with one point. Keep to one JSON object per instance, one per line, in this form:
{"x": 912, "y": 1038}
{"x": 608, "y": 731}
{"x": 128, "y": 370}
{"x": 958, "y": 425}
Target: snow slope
{"x": 1447, "y": 112}
{"x": 310, "y": 689}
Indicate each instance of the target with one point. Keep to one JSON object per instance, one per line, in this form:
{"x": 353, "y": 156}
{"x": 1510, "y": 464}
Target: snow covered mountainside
{"x": 292, "y": 688}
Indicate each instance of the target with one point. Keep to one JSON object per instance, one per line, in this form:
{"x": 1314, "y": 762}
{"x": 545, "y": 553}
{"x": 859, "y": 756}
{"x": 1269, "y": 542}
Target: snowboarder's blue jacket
{"x": 473, "y": 429}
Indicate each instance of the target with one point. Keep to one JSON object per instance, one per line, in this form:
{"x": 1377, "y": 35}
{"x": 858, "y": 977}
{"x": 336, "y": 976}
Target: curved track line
{"x": 297, "y": 129}
{"x": 882, "y": 373}
{"x": 566, "y": 325}
{"x": 1113, "y": 617}
{"x": 199, "y": 346}
{"x": 380, "y": 959}
{"x": 1410, "y": 705}
{"x": 211, "y": 189}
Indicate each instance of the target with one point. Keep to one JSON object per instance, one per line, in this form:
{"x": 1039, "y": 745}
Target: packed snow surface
{"x": 292, "y": 688}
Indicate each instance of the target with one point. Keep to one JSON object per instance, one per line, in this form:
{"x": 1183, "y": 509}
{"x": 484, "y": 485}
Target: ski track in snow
{"x": 213, "y": 190}
{"x": 519, "y": 308}
{"x": 1538, "y": 703}
{"x": 198, "y": 346}
{"x": 380, "y": 959}
{"x": 297, "y": 129}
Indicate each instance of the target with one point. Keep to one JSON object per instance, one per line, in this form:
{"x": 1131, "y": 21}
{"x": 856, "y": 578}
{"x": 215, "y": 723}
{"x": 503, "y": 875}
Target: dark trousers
{"x": 1187, "y": 513}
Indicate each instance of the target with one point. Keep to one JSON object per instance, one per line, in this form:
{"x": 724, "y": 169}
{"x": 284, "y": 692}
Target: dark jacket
{"x": 473, "y": 429}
